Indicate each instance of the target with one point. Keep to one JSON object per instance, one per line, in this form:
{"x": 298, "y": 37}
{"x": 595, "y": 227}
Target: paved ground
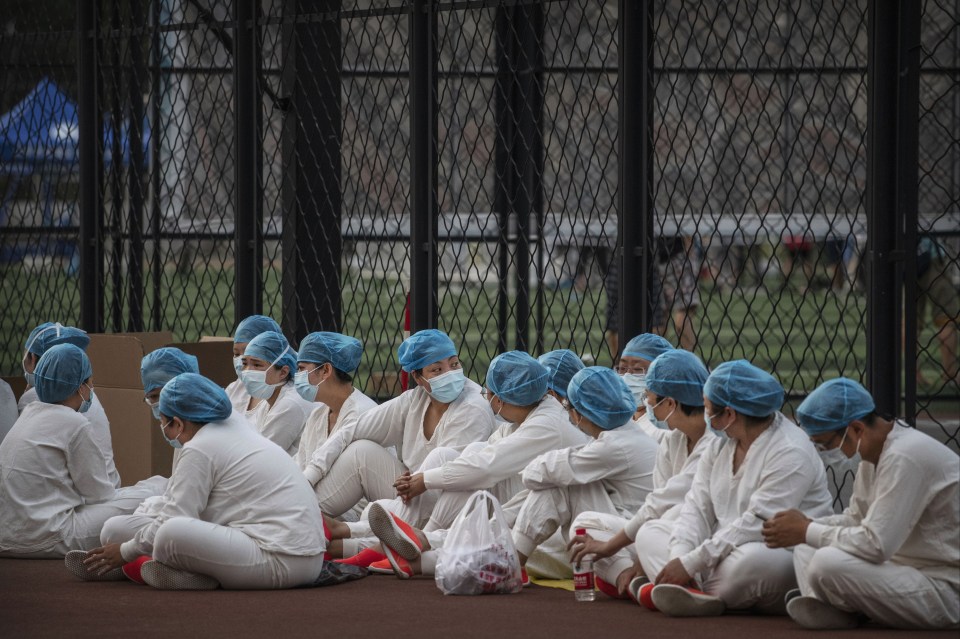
{"x": 41, "y": 599}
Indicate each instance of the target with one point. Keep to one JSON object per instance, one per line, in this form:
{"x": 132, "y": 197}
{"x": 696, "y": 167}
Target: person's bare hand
{"x": 785, "y": 529}
{"x": 674, "y": 573}
{"x": 102, "y": 560}
{"x": 409, "y": 486}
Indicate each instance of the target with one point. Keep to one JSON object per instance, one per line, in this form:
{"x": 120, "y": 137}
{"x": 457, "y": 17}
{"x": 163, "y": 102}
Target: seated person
{"x": 761, "y": 464}
{"x": 561, "y": 365}
{"x": 636, "y": 358}
{"x": 237, "y": 512}
{"x": 43, "y": 337}
{"x": 55, "y": 493}
{"x": 892, "y": 556}
{"x": 249, "y": 328}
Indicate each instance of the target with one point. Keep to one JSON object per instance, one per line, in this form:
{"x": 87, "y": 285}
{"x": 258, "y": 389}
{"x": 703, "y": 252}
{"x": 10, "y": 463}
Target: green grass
{"x": 800, "y": 339}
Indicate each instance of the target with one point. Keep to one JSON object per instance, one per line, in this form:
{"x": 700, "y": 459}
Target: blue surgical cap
{"x": 49, "y": 334}
{"x": 744, "y": 388}
{"x": 516, "y": 378}
{"x": 646, "y": 346}
{"x": 833, "y": 405}
{"x": 341, "y": 351}
{"x": 272, "y": 348}
{"x": 253, "y": 326}
{"x": 561, "y": 365}
{"x": 601, "y": 396}
{"x": 194, "y": 398}
{"x": 424, "y": 348}
{"x": 60, "y": 372}
{"x": 160, "y": 366}
{"x": 680, "y": 375}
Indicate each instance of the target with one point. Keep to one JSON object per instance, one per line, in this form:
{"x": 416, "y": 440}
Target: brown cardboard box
{"x": 17, "y": 384}
{"x": 215, "y": 359}
{"x": 139, "y": 449}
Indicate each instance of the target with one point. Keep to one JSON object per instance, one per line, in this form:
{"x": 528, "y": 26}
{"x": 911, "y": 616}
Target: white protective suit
{"x": 354, "y": 462}
{"x": 238, "y": 395}
{"x": 894, "y": 554}
{"x": 650, "y": 429}
{"x": 716, "y": 535}
{"x": 672, "y": 479}
{"x": 283, "y": 422}
{"x": 54, "y": 490}
{"x": 8, "y": 409}
{"x": 99, "y": 430}
{"x": 841, "y": 474}
{"x": 237, "y": 509}
{"x": 612, "y": 474}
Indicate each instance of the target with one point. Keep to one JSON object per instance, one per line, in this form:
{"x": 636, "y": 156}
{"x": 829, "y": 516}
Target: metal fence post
{"x": 635, "y": 82}
{"x": 312, "y": 239}
{"x": 423, "y": 166}
{"x": 503, "y": 168}
{"x": 248, "y": 230}
{"x": 887, "y": 192}
{"x": 135, "y": 176}
{"x": 908, "y": 178}
{"x": 91, "y": 168}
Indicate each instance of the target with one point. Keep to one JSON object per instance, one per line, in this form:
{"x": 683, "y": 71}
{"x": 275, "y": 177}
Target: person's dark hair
{"x": 873, "y": 416}
{"x": 342, "y": 376}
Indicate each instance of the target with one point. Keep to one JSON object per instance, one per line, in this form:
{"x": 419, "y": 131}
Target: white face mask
{"x": 637, "y": 383}
{"x": 238, "y": 365}
{"x": 256, "y": 381}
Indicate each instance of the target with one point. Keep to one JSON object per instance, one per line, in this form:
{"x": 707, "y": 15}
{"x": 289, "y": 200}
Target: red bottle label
{"x": 583, "y": 581}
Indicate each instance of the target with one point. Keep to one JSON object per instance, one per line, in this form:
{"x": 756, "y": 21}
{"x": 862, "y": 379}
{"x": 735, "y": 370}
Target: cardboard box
{"x": 17, "y": 384}
{"x": 214, "y": 357}
{"x": 139, "y": 449}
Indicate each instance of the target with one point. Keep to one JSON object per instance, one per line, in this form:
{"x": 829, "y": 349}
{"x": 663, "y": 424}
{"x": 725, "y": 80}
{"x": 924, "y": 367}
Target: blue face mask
{"x": 86, "y": 403}
{"x": 707, "y": 419}
{"x": 659, "y": 423}
{"x": 256, "y": 381}
{"x": 154, "y": 407}
{"x": 173, "y": 442}
{"x": 446, "y": 388}
{"x": 304, "y": 388}
{"x": 238, "y": 365}
{"x": 637, "y": 383}
{"x": 30, "y": 377}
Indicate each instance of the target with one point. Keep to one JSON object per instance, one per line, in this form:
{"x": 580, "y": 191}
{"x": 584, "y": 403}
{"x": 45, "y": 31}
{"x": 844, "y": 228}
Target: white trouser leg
{"x": 418, "y": 510}
{"x": 892, "y": 594}
{"x": 83, "y": 529}
{"x": 117, "y": 530}
{"x": 364, "y": 469}
{"x": 603, "y": 526}
{"x": 546, "y": 511}
{"x": 229, "y": 556}
{"x": 653, "y": 546}
{"x": 753, "y": 577}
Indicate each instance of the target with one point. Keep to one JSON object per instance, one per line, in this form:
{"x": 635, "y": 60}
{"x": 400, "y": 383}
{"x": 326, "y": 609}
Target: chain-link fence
{"x": 519, "y": 174}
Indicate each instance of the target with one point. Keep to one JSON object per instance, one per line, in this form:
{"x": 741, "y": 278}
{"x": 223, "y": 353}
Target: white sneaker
{"x": 163, "y": 577}
{"x": 813, "y": 614}
{"x": 791, "y": 594}
{"x": 74, "y": 563}
{"x": 677, "y": 601}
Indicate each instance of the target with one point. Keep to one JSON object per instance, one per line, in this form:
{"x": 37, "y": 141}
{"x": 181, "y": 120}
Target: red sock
{"x": 326, "y": 535}
{"x": 132, "y": 569}
{"x": 609, "y": 589}
{"x": 363, "y": 558}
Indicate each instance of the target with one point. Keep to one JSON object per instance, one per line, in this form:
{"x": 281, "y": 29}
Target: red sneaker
{"x": 645, "y": 596}
{"x": 363, "y": 558}
{"x": 609, "y": 589}
{"x": 394, "y": 564}
{"x": 394, "y": 533}
{"x": 524, "y": 578}
{"x": 132, "y": 569}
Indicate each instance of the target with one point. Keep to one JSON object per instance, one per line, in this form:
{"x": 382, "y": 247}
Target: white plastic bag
{"x": 478, "y": 556}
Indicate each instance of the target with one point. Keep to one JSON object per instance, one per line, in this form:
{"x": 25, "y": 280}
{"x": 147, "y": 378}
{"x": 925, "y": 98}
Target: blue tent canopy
{"x": 43, "y": 131}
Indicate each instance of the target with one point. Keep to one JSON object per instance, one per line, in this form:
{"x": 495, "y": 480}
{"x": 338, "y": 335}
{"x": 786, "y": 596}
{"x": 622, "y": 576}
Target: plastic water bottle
{"x": 583, "y": 576}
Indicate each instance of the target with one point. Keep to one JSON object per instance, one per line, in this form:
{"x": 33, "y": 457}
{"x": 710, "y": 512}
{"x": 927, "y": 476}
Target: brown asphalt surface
{"x": 39, "y": 598}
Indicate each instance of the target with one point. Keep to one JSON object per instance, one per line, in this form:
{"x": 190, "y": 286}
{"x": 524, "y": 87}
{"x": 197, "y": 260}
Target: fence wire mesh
{"x": 758, "y": 134}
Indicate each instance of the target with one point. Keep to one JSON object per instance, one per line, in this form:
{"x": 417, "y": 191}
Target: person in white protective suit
{"x": 55, "y": 493}
{"x": 893, "y": 556}
{"x": 828, "y": 439}
{"x": 279, "y": 414}
{"x": 612, "y": 474}
{"x": 636, "y": 358}
{"x": 674, "y": 398}
{"x": 246, "y": 330}
{"x": 714, "y": 558}
{"x": 445, "y": 410}
{"x": 531, "y": 423}
{"x": 618, "y": 458}
{"x": 325, "y": 364}
{"x": 40, "y": 339}
{"x": 237, "y": 512}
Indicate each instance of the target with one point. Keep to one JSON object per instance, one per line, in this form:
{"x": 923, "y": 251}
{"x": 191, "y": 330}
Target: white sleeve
{"x": 86, "y": 468}
{"x": 186, "y": 496}
{"x": 493, "y": 463}
{"x": 899, "y": 500}
{"x": 597, "y": 460}
{"x": 382, "y": 424}
{"x": 784, "y": 486}
{"x": 283, "y": 423}
{"x": 471, "y": 423}
{"x": 696, "y": 517}
{"x": 667, "y": 495}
